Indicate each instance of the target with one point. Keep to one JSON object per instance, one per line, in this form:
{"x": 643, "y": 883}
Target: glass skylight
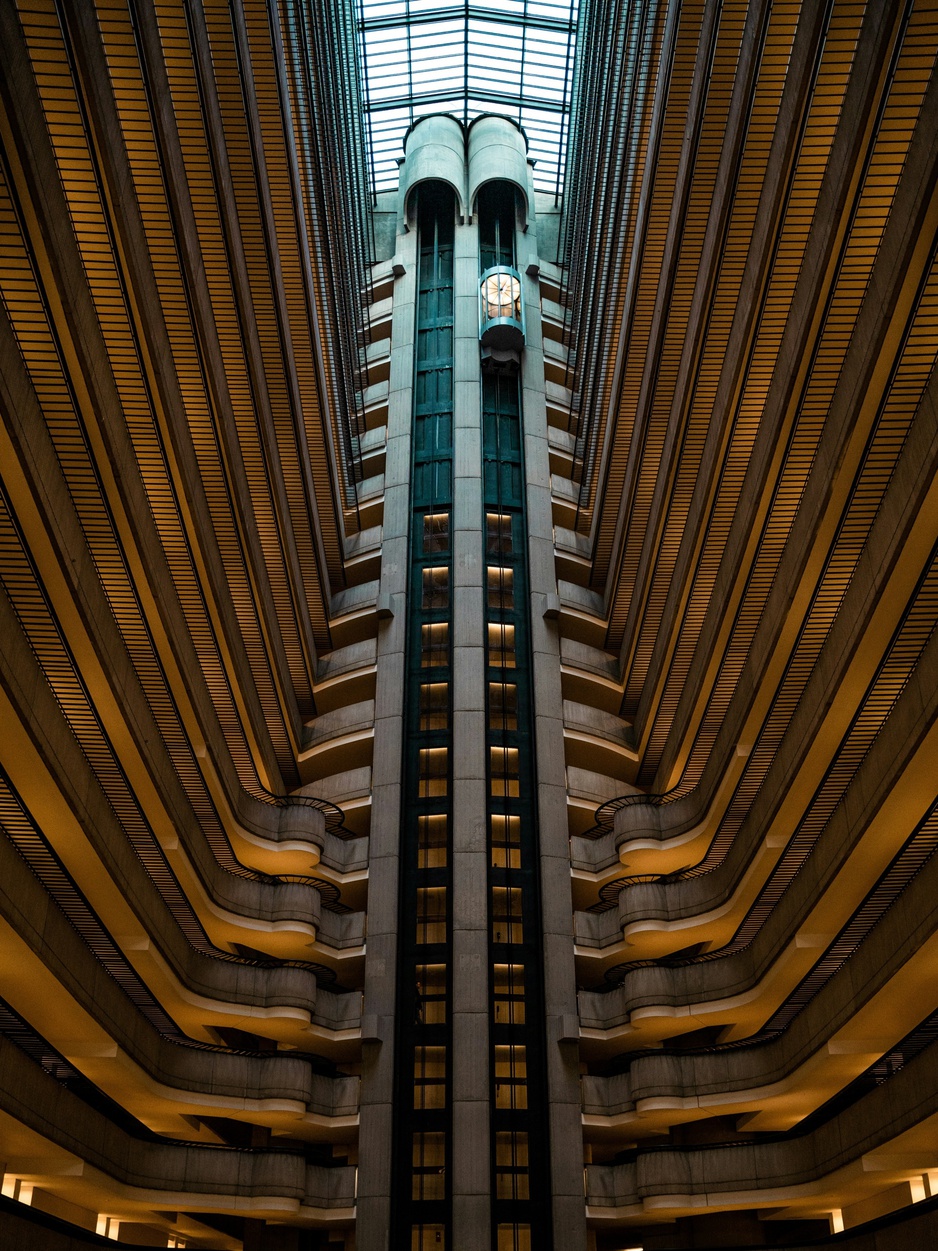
{"x": 513, "y": 57}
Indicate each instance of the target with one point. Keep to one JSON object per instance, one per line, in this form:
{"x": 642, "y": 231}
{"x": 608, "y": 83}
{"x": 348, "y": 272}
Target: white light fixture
{"x": 501, "y": 313}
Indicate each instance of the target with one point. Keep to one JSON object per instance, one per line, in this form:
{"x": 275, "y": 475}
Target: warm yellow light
{"x": 502, "y": 295}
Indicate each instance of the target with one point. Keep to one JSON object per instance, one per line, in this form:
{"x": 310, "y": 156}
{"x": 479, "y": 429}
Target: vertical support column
{"x": 379, "y": 1008}
{"x": 471, "y": 1201}
{"x": 560, "y": 997}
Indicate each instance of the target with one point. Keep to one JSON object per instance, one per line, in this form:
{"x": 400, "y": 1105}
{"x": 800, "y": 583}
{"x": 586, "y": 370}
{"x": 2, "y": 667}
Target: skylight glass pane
{"x": 512, "y": 57}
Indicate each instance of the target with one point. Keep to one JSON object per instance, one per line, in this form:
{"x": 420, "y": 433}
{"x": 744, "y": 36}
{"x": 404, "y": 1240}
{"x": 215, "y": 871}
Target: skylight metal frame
{"x": 421, "y": 57}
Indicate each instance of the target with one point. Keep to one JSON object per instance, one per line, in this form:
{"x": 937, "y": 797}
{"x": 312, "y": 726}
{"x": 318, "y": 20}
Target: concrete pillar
{"x": 470, "y": 1060}
{"x": 379, "y": 1005}
{"x": 560, "y": 999}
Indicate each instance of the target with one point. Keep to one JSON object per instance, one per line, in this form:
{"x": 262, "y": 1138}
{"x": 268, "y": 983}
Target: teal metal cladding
{"x": 422, "y": 1130}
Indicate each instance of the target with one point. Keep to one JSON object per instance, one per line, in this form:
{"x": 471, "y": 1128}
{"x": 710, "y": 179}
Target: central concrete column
{"x": 471, "y": 1165}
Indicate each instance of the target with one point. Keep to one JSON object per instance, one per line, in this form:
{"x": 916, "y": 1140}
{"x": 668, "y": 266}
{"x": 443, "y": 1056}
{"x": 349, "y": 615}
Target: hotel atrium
{"x": 468, "y": 665}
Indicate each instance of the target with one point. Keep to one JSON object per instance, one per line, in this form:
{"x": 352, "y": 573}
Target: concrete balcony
{"x": 338, "y": 741}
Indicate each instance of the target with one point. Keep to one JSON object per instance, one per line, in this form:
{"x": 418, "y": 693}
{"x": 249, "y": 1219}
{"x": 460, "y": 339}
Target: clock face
{"x": 502, "y": 296}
